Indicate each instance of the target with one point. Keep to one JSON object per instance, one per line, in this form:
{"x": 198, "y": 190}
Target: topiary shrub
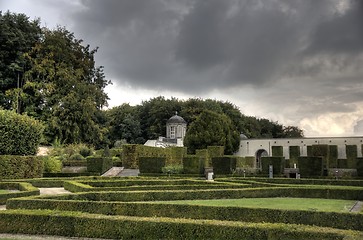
{"x": 333, "y": 156}
{"x": 352, "y": 152}
{"x": 15, "y": 167}
{"x": 278, "y": 164}
{"x": 310, "y": 166}
{"x": 193, "y": 164}
{"x": 294, "y": 152}
{"x": 19, "y": 134}
{"x": 76, "y": 156}
{"x": 224, "y": 165}
{"x": 321, "y": 150}
{"x": 99, "y": 165}
{"x": 360, "y": 167}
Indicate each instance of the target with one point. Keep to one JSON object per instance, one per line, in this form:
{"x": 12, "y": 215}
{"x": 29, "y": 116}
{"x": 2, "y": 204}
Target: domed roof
{"x": 243, "y": 137}
{"x": 176, "y": 119}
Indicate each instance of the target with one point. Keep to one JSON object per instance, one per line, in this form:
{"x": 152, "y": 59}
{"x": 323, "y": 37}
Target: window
{"x": 172, "y": 132}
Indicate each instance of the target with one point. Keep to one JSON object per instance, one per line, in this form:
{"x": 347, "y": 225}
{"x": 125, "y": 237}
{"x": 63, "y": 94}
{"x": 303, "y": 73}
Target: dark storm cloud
{"x": 196, "y": 45}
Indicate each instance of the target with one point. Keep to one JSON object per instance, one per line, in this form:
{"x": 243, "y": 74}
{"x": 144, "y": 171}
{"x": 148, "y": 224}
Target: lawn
{"x": 312, "y": 204}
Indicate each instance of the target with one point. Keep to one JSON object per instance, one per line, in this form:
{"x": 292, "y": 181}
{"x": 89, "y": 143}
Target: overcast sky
{"x": 299, "y": 62}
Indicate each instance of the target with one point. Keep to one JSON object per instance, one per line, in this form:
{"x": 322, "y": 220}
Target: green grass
{"x": 4, "y": 191}
{"x": 312, "y": 204}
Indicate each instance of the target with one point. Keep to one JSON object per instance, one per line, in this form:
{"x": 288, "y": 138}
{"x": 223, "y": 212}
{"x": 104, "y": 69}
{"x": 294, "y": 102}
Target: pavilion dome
{"x": 176, "y": 119}
{"x": 243, "y": 137}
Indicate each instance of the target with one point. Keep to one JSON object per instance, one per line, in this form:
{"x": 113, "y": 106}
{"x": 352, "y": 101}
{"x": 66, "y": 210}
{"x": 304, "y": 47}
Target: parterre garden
{"x": 145, "y": 208}
{"x": 165, "y": 202}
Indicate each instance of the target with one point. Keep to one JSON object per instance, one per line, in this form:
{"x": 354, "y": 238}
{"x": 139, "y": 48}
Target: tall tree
{"x": 71, "y": 88}
{"x": 17, "y": 36}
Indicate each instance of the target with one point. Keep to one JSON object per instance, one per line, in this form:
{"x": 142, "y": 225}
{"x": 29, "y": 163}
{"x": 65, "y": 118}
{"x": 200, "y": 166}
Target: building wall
{"x": 249, "y": 147}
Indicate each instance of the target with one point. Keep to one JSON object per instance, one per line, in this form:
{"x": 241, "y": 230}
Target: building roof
{"x": 176, "y": 119}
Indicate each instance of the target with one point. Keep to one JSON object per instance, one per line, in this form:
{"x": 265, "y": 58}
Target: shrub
{"x": 333, "y": 156}
{"x": 360, "y": 167}
{"x": 351, "y": 151}
{"x": 12, "y": 167}
{"x": 193, "y": 164}
{"x": 278, "y": 164}
{"x": 19, "y": 134}
{"x": 52, "y": 165}
{"x": 173, "y": 169}
{"x": 76, "y": 156}
{"x": 85, "y": 152}
{"x": 321, "y": 150}
{"x": 294, "y": 152}
{"x": 151, "y": 164}
{"x": 310, "y": 166}
{"x": 224, "y": 165}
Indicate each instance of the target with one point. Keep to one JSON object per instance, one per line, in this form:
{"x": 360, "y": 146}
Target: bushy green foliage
{"x": 15, "y": 167}
{"x": 19, "y": 134}
{"x": 76, "y": 156}
{"x": 212, "y": 129}
{"x": 278, "y": 164}
{"x": 246, "y": 162}
{"x": 224, "y": 165}
{"x": 172, "y": 169}
{"x": 277, "y": 151}
{"x": 351, "y": 151}
{"x": 310, "y": 166}
{"x": 52, "y": 165}
{"x": 151, "y": 164}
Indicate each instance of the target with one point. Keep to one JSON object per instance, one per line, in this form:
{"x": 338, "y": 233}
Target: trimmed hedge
{"x": 226, "y": 213}
{"x": 75, "y": 163}
{"x": 192, "y": 164}
{"x": 310, "y": 166}
{"x": 321, "y": 150}
{"x": 352, "y": 153}
{"x": 224, "y": 165}
{"x": 151, "y": 164}
{"x": 25, "y": 189}
{"x": 19, "y": 134}
{"x": 342, "y": 163}
{"x": 327, "y": 192}
{"x": 99, "y": 165}
{"x": 278, "y": 164}
{"x": 20, "y": 167}
{"x": 294, "y": 152}
{"x": 203, "y": 154}
{"x": 333, "y": 156}
{"x": 277, "y": 151}
{"x": 78, "y": 224}
{"x": 360, "y": 167}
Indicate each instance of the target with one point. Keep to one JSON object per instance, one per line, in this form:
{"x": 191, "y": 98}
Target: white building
{"x": 176, "y": 128}
{"x": 263, "y": 147}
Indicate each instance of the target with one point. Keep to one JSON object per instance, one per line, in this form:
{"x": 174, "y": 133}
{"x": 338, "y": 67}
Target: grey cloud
{"x": 358, "y": 128}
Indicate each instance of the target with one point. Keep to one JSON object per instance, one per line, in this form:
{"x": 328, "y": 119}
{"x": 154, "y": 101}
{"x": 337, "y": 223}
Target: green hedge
{"x": 226, "y": 213}
{"x": 333, "y": 156}
{"x": 278, "y": 164}
{"x": 342, "y": 163}
{"x": 151, "y": 164}
{"x": 309, "y": 151}
{"x": 203, "y": 154}
{"x": 76, "y": 224}
{"x": 352, "y": 153}
{"x": 19, "y": 134}
{"x": 310, "y": 166}
{"x": 328, "y": 192}
{"x": 224, "y": 165}
{"x": 19, "y": 167}
{"x": 277, "y": 151}
{"x": 25, "y": 189}
{"x": 75, "y": 163}
{"x": 215, "y": 151}
{"x": 294, "y": 152}
{"x": 99, "y": 165}
{"x": 193, "y": 164}
{"x": 321, "y": 150}
{"x": 360, "y": 167}
{"x": 246, "y": 162}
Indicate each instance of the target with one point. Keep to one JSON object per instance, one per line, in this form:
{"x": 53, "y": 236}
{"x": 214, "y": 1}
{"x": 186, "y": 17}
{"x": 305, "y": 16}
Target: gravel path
{"x": 357, "y": 207}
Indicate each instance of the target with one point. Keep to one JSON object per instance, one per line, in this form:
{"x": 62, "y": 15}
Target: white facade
{"x": 250, "y": 147}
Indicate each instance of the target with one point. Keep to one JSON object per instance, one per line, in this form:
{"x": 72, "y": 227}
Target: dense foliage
{"x": 19, "y": 134}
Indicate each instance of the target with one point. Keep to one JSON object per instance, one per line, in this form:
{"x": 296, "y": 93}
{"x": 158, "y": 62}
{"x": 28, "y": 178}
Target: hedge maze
{"x": 136, "y": 208}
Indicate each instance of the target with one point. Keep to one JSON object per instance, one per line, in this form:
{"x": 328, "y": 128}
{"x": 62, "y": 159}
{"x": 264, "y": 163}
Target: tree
{"x": 17, "y": 36}
{"x": 292, "y": 132}
{"x": 66, "y": 88}
{"x": 212, "y": 129}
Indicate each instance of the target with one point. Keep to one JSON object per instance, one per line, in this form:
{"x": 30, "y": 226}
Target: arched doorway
{"x": 259, "y": 154}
